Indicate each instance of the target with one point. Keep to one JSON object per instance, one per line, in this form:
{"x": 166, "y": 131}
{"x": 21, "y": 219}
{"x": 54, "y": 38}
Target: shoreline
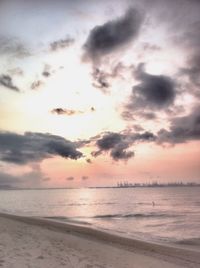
{"x": 158, "y": 252}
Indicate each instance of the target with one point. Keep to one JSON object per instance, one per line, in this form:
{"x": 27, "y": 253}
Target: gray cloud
{"x": 182, "y": 129}
{"x": 61, "y": 111}
{"x": 12, "y": 46}
{"x": 34, "y": 147}
{"x": 119, "y": 152}
{"x": 70, "y": 178}
{"x": 8, "y": 181}
{"x": 138, "y": 128}
{"x": 153, "y": 93}
{"x": 32, "y": 178}
{"x": 46, "y": 71}
{"x": 36, "y": 84}
{"x": 147, "y": 115}
{"x": 150, "y": 47}
{"x": 112, "y": 35}
{"x": 84, "y": 178}
{"x": 127, "y": 114}
{"x": 100, "y": 79}
{"x": 6, "y": 81}
{"x": 190, "y": 39}
{"x": 103, "y": 79}
{"x": 118, "y": 144}
{"x": 109, "y": 140}
{"x": 193, "y": 69}
{"x": 130, "y": 114}
{"x": 61, "y": 44}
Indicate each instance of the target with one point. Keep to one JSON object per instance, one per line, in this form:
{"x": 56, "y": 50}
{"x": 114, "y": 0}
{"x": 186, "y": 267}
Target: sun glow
{"x": 68, "y": 88}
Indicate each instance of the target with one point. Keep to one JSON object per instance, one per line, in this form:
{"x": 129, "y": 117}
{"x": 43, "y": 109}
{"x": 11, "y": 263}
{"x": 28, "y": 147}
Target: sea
{"x": 157, "y": 214}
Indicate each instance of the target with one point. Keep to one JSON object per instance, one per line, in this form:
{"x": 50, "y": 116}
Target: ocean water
{"x": 167, "y": 215}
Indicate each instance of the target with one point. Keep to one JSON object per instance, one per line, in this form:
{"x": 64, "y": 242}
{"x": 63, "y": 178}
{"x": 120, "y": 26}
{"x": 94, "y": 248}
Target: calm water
{"x": 175, "y": 217}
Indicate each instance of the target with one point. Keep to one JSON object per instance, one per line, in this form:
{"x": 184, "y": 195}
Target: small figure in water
{"x": 153, "y": 203}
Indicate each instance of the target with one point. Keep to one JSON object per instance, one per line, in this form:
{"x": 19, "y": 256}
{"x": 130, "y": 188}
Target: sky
{"x": 97, "y": 92}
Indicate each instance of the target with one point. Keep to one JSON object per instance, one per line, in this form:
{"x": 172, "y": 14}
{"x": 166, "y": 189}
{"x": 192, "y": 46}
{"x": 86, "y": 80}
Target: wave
{"x": 77, "y": 204}
{"x": 134, "y": 215}
{"x": 107, "y": 216}
{"x": 70, "y": 220}
{"x": 195, "y": 241}
{"x": 111, "y": 216}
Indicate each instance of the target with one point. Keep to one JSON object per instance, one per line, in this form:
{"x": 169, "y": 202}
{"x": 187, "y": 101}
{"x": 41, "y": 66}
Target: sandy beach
{"x": 35, "y": 242}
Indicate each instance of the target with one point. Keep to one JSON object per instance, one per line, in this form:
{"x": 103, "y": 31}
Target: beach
{"x": 37, "y": 242}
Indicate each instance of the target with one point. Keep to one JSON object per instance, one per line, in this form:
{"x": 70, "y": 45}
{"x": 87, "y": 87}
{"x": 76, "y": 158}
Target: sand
{"x": 35, "y": 242}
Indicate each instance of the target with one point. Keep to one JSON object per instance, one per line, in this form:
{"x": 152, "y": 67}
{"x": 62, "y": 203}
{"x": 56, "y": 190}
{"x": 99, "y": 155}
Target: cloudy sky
{"x": 94, "y": 92}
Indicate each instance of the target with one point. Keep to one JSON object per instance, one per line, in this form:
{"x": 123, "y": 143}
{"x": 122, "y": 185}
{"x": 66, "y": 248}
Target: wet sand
{"x": 37, "y": 242}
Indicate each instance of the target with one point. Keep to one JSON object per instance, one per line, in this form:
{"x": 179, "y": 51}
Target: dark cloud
{"x": 182, "y": 129}
{"x": 46, "y": 74}
{"x": 138, "y": 128}
{"x": 153, "y": 92}
{"x": 118, "y": 144}
{"x": 145, "y": 136}
{"x": 34, "y": 147}
{"x": 6, "y": 81}
{"x": 89, "y": 161}
{"x": 100, "y": 80}
{"x": 61, "y": 44}
{"x": 130, "y": 114}
{"x": 119, "y": 152}
{"x": 84, "y": 178}
{"x": 47, "y": 71}
{"x": 109, "y": 141}
{"x": 36, "y": 84}
{"x": 147, "y": 115}
{"x": 70, "y": 178}
{"x": 61, "y": 111}
{"x": 112, "y": 35}
{"x": 103, "y": 79}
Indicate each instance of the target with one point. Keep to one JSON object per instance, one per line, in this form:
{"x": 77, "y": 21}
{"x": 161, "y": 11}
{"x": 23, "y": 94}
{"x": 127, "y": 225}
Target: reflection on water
{"x": 167, "y": 214}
